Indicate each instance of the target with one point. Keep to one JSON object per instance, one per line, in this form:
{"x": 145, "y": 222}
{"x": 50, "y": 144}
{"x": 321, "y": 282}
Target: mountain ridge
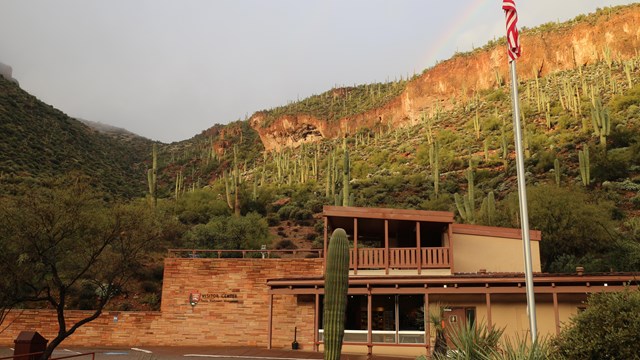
{"x": 546, "y": 49}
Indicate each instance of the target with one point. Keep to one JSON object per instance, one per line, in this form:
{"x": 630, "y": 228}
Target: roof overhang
{"x": 463, "y": 284}
{"x": 388, "y": 214}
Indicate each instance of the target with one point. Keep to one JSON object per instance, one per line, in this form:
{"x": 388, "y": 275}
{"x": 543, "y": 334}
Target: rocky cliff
{"x": 612, "y": 33}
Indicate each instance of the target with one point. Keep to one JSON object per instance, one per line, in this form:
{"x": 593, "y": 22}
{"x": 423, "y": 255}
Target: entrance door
{"x": 456, "y": 318}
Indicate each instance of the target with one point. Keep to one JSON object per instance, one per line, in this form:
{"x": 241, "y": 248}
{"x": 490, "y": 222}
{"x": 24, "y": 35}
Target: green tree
{"x": 609, "y": 328}
{"x": 59, "y": 238}
{"x": 199, "y": 206}
{"x": 230, "y": 233}
{"x": 570, "y": 220}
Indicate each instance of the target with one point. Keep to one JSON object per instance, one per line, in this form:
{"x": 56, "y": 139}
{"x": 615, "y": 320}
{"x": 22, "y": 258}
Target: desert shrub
{"x": 622, "y": 102}
{"x": 544, "y": 161}
{"x": 285, "y": 244}
{"x": 314, "y": 205}
{"x": 199, "y": 206}
{"x": 273, "y": 219}
{"x": 302, "y": 214}
{"x": 149, "y": 286}
{"x": 609, "y": 328}
{"x": 284, "y": 213}
{"x": 610, "y": 165}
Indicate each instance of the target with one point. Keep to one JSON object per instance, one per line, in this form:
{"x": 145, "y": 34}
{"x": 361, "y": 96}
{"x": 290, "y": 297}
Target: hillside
{"x": 37, "y": 140}
{"x": 609, "y": 34}
{"x": 441, "y": 141}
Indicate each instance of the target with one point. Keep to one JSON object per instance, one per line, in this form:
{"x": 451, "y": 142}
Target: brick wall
{"x": 233, "y": 309}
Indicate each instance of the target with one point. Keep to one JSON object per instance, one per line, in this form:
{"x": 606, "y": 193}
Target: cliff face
{"x": 562, "y": 48}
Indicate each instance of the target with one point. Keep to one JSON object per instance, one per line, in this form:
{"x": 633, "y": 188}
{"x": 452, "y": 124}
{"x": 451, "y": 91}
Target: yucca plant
{"x": 521, "y": 348}
{"x": 472, "y": 341}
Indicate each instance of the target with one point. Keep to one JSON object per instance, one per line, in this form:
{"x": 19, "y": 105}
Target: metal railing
{"x": 244, "y": 254}
{"x": 366, "y": 258}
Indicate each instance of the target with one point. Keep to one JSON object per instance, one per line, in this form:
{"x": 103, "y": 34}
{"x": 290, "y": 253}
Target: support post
{"x": 316, "y": 323}
{"x": 556, "y": 312}
{"x": 427, "y": 323}
{"x": 326, "y": 244}
{"x": 355, "y": 246}
{"x": 269, "y": 331}
{"x": 488, "y": 301}
{"x": 418, "y": 249}
{"x": 369, "y": 323}
{"x": 450, "y": 234}
{"x": 386, "y": 247}
{"x": 522, "y": 196}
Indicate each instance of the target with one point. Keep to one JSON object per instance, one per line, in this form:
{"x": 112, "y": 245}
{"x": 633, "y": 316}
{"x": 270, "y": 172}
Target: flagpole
{"x": 522, "y": 196}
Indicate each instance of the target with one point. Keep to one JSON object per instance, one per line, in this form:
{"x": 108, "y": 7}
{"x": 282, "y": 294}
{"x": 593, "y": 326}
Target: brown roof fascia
{"x": 387, "y": 213}
{"x": 493, "y": 231}
{"x": 515, "y": 279}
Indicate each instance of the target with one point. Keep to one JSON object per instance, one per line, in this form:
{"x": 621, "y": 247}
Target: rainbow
{"x": 452, "y": 29}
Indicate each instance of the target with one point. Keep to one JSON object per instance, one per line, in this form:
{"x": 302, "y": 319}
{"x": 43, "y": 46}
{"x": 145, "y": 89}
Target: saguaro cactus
{"x": 346, "y": 175}
{"x": 585, "y": 165}
{"x": 601, "y": 122}
{"x": 152, "y": 176}
{"x": 336, "y": 285}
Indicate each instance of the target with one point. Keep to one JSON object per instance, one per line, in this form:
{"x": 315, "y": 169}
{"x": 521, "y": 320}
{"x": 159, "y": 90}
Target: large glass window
{"x": 355, "y": 319}
{"x": 394, "y": 319}
{"x": 411, "y": 319}
{"x": 383, "y": 318}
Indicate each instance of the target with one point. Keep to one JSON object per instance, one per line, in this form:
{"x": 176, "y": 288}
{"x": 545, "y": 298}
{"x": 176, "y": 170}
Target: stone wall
{"x": 233, "y": 309}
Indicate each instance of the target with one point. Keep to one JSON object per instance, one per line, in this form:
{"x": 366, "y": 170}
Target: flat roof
{"x": 388, "y": 214}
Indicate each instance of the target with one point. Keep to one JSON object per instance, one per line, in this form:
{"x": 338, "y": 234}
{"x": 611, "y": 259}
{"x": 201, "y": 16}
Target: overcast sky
{"x": 167, "y": 70}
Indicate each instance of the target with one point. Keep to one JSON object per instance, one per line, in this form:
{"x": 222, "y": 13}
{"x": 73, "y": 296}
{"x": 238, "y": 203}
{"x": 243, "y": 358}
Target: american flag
{"x": 509, "y": 7}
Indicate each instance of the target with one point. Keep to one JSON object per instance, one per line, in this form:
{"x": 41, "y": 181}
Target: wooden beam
{"x": 386, "y": 247}
{"x": 464, "y": 290}
{"x": 494, "y": 231}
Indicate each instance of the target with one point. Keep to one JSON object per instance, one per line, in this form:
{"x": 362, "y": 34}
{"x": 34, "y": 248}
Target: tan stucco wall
{"x": 512, "y": 315}
{"x": 474, "y": 252}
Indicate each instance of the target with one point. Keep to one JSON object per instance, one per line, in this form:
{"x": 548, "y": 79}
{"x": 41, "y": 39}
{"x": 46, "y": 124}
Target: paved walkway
{"x": 195, "y": 353}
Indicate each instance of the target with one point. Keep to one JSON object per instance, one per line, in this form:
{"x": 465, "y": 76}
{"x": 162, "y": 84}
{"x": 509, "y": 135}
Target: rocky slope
{"x": 609, "y": 34}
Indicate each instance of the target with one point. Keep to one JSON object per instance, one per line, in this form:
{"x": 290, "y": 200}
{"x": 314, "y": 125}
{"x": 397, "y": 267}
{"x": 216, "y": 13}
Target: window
{"x": 394, "y": 319}
{"x": 383, "y": 318}
{"x": 355, "y": 322}
{"x": 411, "y": 319}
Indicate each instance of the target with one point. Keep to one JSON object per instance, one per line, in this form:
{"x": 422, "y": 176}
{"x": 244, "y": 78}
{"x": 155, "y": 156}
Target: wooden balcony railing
{"x": 400, "y": 258}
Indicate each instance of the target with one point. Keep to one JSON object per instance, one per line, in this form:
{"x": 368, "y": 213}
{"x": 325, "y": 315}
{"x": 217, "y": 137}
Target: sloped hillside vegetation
{"x": 37, "y": 140}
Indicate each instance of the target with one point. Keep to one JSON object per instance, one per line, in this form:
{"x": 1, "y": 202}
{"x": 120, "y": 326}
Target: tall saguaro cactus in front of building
{"x": 336, "y": 284}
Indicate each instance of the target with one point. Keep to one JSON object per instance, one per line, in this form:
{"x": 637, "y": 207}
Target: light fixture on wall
{"x": 194, "y": 298}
